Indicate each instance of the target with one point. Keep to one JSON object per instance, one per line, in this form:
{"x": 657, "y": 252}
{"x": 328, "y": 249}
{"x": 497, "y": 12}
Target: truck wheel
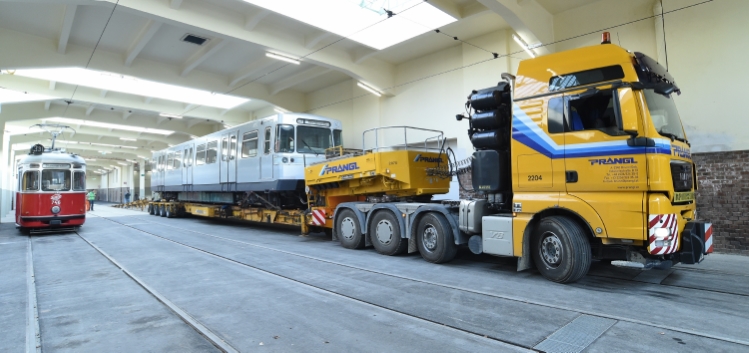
{"x": 434, "y": 238}
{"x": 561, "y": 250}
{"x": 150, "y": 209}
{"x": 349, "y": 230}
{"x": 385, "y": 234}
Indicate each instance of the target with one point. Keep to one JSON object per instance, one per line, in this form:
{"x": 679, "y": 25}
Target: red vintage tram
{"x": 51, "y": 190}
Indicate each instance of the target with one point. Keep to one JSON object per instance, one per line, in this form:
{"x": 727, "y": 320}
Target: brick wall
{"x": 723, "y": 198}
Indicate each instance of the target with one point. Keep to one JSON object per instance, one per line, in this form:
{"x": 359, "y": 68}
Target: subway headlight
{"x": 55, "y": 209}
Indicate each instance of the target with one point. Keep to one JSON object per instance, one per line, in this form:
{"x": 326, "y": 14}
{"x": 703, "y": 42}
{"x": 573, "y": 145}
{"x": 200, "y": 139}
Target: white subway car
{"x": 258, "y": 162}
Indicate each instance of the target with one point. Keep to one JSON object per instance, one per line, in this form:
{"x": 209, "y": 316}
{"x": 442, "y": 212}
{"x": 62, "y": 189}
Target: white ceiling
{"x": 233, "y": 60}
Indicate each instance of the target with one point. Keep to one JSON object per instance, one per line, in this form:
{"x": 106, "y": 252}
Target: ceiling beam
{"x": 312, "y": 40}
{"x": 67, "y": 25}
{"x": 175, "y": 4}
{"x": 296, "y": 79}
{"x": 203, "y": 54}
{"x": 90, "y": 109}
{"x": 52, "y": 85}
{"x": 126, "y": 114}
{"x": 253, "y": 69}
{"x": 533, "y": 23}
{"x": 145, "y": 35}
{"x": 251, "y": 21}
{"x": 47, "y": 104}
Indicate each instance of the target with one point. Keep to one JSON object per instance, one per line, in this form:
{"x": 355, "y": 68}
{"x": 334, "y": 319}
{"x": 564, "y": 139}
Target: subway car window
{"x": 177, "y": 160}
{"x": 233, "y": 147}
{"x": 337, "y": 139}
{"x": 284, "y": 138}
{"x": 55, "y": 180}
{"x": 79, "y": 181}
{"x": 266, "y": 143}
{"x": 31, "y": 180}
{"x": 249, "y": 144}
{"x": 200, "y": 155}
{"x": 313, "y": 139}
{"x": 170, "y": 161}
{"x": 211, "y": 153}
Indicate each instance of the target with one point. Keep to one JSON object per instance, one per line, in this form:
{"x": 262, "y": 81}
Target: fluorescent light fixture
{"x": 127, "y": 139}
{"x": 90, "y": 123}
{"x": 193, "y": 137}
{"x": 131, "y": 85}
{"x": 174, "y": 116}
{"x": 122, "y": 163}
{"x": 282, "y": 58}
{"x": 355, "y": 19}
{"x": 370, "y": 89}
{"x": 279, "y": 110}
{"x": 21, "y": 146}
{"x": 523, "y": 45}
{"x": 10, "y": 96}
{"x": 96, "y": 144}
{"x": 90, "y": 159}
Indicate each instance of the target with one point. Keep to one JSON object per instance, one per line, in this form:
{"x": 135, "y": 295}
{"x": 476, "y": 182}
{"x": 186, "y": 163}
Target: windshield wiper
{"x": 308, "y": 146}
{"x": 671, "y": 136}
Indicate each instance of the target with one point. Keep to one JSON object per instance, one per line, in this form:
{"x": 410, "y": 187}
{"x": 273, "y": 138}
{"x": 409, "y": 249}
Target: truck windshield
{"x": 665, "y": 117}
{"x": 312, "y": 139}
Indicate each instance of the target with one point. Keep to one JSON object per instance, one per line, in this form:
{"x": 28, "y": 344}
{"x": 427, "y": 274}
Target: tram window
{"x": 55, "y": 180}
{"x": 266, "y": 143}
{"x": 211, "y": 153}
{"x": 313, "y": 139}
{"x": 249, "y": 144}
{"x": 337, "y": 138}
{"x": 177, "y": 160}
{"x": 31, "y": 180}
{"x": 200, "y": 155}
{"x": 284, "y": 138}
{"x": 79, "y": 181}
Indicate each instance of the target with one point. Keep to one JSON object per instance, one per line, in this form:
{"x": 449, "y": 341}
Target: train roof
{"x": 289, "y": 118}
{"x": 55, "y": 156}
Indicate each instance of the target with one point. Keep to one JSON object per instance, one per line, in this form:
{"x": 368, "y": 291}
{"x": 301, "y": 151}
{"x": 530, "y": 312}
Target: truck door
{"x": 600, "y": 167}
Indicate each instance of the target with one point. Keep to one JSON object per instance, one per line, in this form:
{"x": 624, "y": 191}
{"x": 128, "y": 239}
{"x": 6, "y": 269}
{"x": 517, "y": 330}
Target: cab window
{"x": 284, "y": 138}
{"x": 30, "y": 181}
{"x": 55, "y": 180}
{"x": 597, "y": 111}
{"x": 79, "y": 181}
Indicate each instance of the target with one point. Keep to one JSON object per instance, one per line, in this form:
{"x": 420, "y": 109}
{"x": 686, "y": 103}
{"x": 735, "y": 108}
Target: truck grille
{"x": 681, "y": 173}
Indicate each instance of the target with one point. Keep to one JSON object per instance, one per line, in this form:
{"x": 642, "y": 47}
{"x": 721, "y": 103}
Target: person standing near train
{"x": 91, "y": 196}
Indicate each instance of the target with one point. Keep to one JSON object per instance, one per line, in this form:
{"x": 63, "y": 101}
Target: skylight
{"x": 145, "y": 130}
{"x": 131, "y": 85}
{"x": 10, "y": 96}
{"x": 353, "y": 18}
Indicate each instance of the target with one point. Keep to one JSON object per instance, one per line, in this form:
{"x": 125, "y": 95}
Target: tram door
{"x": 228, "y": 166}
{"x": 187, "y": 166}
{"x": 266, "y": 158}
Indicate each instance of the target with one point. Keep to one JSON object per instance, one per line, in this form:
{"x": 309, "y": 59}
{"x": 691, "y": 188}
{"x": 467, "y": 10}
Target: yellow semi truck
{"x": 580, "y": 156}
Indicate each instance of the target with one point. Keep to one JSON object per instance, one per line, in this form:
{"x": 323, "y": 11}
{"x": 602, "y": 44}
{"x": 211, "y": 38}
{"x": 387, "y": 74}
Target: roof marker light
{"x": 606, "y": 38}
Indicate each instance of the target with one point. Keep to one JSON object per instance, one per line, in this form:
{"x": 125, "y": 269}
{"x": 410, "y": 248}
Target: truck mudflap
{"x": 696, "y": 242}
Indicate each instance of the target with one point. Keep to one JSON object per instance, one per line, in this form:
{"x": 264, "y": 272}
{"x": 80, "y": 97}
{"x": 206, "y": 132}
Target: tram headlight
{"x": 285, "y": 160}
{"x": 55, "y": 209}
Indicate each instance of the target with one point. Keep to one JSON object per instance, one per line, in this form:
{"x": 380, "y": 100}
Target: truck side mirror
{"x": 628, "y": 113}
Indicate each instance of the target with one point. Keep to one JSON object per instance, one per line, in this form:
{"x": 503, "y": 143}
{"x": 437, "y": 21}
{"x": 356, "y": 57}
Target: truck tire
{"x": 348, "y": 230}
{"x": 385, "y": 234}
{"x": 560, "y": 249}
{"x": 434, "y": 238}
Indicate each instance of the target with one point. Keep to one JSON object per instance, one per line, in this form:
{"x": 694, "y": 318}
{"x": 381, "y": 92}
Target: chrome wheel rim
{"x": 348, "y": 228}
{"x": 429, "y": 237}
{"x": 384, "y": 232}
{"x": 551, "y": 249}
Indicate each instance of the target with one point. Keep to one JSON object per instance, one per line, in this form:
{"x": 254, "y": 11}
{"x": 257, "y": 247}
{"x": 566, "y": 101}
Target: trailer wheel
{"x": 385, "y": 234}
{"x": 162, "y": 211}
{"x": 434, "y": 238}
{"x": 349, "y": 230}
{"x": 561, "y": 250}
{"x": 169, "y": 213}
{"x": 150, "y": 209}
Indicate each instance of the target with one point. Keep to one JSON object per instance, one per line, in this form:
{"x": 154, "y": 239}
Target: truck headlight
{"x": 662, "y": 234}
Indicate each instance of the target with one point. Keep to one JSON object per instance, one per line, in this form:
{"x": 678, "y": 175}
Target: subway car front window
{"x": 337, "y": 138}
{"x": 284, "y": 138}
{"x": 313, "y": 139}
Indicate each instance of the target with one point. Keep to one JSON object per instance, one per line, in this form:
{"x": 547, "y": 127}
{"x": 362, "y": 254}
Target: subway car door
{"x": 266, "y": 158}
{"x": 228, "y": 167}
{"x": 187, "y": 168}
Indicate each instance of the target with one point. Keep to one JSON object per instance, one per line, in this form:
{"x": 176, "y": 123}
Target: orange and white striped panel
{"x": 318, "y": 217}
{"x": 667, "y": 246}
{"x": 708, "y": 238}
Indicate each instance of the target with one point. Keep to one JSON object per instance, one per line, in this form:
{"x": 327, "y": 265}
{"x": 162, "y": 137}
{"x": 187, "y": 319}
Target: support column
{"x": 6, "y": 175}
{"x": 142, "y": 176}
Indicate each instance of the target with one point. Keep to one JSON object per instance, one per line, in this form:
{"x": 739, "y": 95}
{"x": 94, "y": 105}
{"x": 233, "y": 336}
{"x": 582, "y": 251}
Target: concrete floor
{"x": 128, "y": 282}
